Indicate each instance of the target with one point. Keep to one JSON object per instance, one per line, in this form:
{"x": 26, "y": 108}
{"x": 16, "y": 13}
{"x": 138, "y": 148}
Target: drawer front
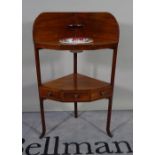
{"x": 75, "y": 96}
{"x": 79, "y": 97}
{"x": 49, "y": 94}
{"x": 101, "y": 94}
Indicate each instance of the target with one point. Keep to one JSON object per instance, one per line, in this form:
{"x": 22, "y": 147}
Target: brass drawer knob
{"x": 76, "y": 96}
{"x": 102, "y": 93}
{"x": 49, "y": 94}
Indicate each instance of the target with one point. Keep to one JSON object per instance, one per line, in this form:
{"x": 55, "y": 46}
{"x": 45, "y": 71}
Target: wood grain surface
{"x": 49, "y": 28}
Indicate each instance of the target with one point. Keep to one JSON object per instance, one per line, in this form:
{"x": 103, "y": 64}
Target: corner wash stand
{"x": 48, "y": 30}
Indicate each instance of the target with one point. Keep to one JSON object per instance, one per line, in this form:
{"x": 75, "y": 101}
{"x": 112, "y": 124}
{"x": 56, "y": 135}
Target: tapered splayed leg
{"x": 112, "y": 84}
{"x": 42, "y": 119}
{"x": 75, "y": 110}
{"x": 109, "y": 118}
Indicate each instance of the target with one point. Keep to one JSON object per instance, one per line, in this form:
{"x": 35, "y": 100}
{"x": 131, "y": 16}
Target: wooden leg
{"x": 41, "y": 100}
{"x": 42, "y": 118}
{"x": 75, "y": 110}
{"x": 109, "y": 118}
{"x": 112, "y": 84}
{"x": 75, "y": 82}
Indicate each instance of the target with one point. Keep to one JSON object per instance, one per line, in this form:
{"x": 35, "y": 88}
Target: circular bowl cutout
{"x": 76, "y": 40}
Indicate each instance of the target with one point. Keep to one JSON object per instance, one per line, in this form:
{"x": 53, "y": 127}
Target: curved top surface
{"x": 50, "y": 27}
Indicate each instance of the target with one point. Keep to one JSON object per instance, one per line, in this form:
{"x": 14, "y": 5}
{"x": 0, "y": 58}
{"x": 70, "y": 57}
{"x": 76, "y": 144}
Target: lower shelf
{"x": 75, "y": 88}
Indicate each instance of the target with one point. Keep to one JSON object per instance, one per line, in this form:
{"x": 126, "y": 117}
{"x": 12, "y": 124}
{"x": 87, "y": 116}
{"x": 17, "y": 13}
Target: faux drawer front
{"x": 101, "y": 94}
{"x": 49, "y": 94}
{"x": 79, "y": 97}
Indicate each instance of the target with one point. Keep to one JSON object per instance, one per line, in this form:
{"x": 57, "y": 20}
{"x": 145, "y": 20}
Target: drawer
{"x": 79, "y": 97}
{"x": 101, "y": 94}
{"x": 49, "y": 94}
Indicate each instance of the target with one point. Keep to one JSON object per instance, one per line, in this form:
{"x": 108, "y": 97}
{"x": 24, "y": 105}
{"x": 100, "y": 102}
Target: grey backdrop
{"x": 95, "y": 64}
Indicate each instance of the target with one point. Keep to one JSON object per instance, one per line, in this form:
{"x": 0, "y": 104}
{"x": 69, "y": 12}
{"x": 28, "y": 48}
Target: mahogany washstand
{"x": 48, "y": 29}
